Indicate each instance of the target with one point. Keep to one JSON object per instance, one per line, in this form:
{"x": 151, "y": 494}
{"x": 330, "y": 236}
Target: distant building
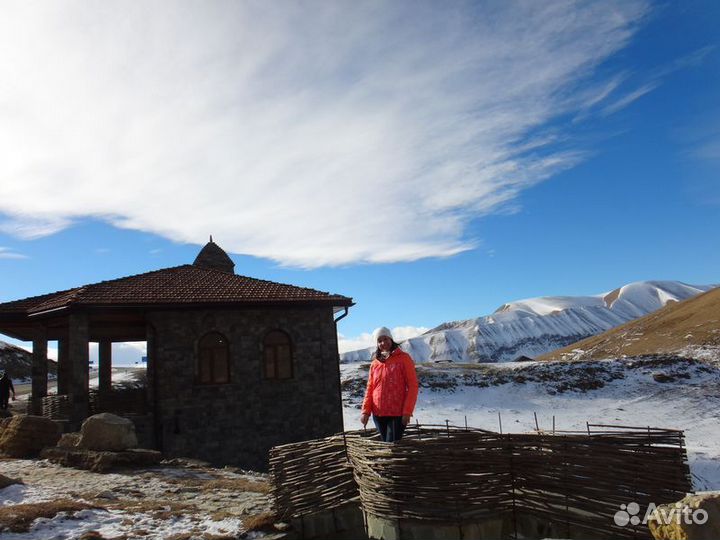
{"x": 235, "y": 365}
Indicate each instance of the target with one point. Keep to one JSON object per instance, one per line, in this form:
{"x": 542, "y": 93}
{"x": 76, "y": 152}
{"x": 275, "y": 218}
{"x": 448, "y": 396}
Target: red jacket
{"x": 392, "y": 387}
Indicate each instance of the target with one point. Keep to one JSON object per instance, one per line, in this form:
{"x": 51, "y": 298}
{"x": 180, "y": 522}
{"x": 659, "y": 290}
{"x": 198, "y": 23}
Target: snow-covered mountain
{"x": 18, "y": 362}
{"x": 538, "y": 325}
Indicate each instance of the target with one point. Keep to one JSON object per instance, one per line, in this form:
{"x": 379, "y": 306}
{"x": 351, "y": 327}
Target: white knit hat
{"x": 382, "y": 331}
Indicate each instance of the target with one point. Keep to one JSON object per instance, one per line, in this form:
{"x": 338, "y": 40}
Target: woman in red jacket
{"x": 392, "y": 388}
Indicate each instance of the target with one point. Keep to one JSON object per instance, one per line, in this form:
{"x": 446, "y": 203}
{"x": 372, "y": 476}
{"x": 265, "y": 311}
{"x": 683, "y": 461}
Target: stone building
{"x": 235, "y": 365}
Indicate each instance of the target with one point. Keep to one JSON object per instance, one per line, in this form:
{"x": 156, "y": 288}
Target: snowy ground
{"x": 625, "y": 392}
{"x": 182, "y": 502}
{"x": 179, "y": 501}
{"x": 119, "y": 375}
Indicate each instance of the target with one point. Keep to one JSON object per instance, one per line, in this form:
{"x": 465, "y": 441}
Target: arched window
{"x": 213, "y": 359}
{"x": 277, "y": 352}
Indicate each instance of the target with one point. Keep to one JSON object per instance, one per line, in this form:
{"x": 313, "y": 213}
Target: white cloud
{"x": 7, "y": 253}
{"x": 365, "y": 340}
{"x": 127, "y": 353}
{"x": 707, "y": 149}
{"x": 312, "y": 133}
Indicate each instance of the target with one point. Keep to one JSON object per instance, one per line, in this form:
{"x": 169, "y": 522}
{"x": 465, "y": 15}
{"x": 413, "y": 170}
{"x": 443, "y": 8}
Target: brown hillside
{"x": 693, "y": 322}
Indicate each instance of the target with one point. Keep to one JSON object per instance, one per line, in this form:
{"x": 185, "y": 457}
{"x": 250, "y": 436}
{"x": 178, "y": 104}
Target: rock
{"x": 696, "y": 517}
{"x": 107, "y": 432}
{"x": 91, "y": 535}
{"x": 663, "y": 377}
{"x": 25, "y": 435}
{"x": 107, "y": 494}
{"x": 69, "y": 440}
{"x": 98, "y": 461}
{"x": 6, "y": 481}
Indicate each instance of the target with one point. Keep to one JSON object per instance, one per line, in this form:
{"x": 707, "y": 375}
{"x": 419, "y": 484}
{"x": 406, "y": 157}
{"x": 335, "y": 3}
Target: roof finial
{"x": 211, "y": 237}
{"x": 213, "y": 256}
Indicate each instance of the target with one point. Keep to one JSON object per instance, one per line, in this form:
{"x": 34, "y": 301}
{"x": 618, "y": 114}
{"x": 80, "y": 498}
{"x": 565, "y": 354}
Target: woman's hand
{"x": 364, "y": 419}
{"x": 406, "y": 420}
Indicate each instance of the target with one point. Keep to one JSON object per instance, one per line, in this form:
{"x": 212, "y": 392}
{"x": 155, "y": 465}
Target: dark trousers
{"x": 390, "y": 428}
{"x": 4, "y": 401}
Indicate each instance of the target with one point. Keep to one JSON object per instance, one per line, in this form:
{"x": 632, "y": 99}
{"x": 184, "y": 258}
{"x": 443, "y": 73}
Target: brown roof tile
{"x": 185, "y": 285}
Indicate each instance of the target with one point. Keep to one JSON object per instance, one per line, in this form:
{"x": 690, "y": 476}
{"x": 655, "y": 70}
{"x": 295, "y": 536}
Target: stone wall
{"x": 237, "y": 423}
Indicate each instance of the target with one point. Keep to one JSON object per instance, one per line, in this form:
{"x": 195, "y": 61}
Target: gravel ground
{"x": 180, "y": 499}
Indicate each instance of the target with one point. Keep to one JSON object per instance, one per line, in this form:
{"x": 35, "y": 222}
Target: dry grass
{"x": 19, "y": 517}
{"x": 157, "y": 509}
{"x": 260, "y": 522}
{"x": 197, "y": 534}
{"x": 693, "y": 322}
{"x": 225, "y": 484}
{"x": 236, "y": 484}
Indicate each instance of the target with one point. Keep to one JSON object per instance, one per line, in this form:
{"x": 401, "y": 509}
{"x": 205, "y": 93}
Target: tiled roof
{"x": 183, "y": 285}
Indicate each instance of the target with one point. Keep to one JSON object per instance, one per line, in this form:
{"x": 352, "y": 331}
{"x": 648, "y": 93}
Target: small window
{"x": 213, "y": 360}
{"x": 278, "y": 356}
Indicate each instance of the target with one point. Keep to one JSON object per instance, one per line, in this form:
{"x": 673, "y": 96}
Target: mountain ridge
{"x": 18, "y": 362}
{"x": 535, "y": 326}
{"x": 680, "y": 328}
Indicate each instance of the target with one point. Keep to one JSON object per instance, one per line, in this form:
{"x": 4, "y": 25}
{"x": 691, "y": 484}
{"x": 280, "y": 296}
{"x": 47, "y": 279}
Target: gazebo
{"x": 235, "y": 365}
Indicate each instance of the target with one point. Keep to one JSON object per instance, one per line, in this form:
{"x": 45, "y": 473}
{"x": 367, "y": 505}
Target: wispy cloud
{"x": 709, "y": 149}
{"x": 365, "y": 340}
{"x": 699, "y": 135}
{"x": 654, "y": 80}
{"x": 312, "y": 134}
{"x": 7, "y": 253}
{"x": 629, "y": 98}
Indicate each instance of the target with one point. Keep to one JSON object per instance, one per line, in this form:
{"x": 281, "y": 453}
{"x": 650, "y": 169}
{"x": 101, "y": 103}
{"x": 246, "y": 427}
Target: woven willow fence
{"x": 56, "y": 407}
{"x": 312, "y": 476}
{"x": 121, "y": 401}
{"x": 460, "y": 475}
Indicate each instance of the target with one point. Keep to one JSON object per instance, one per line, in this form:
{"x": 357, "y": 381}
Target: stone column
{"x": 79, "y": 357}
{"x": 63, "y": 367}
{"x": 155, "y": 438}
{"x": 39, "y": 371}
{"x": 105, "y": 365}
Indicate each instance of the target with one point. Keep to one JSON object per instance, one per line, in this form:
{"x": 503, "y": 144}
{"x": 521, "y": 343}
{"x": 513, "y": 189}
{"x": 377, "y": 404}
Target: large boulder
{"x": 25, "y": 435}
{"x": 696, "y": 517}
{"x": 98, "y": 461}
{"x": 107, "y": 432}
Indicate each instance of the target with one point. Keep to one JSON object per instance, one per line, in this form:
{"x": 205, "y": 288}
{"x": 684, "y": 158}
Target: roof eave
{"x": 341, "y": 302}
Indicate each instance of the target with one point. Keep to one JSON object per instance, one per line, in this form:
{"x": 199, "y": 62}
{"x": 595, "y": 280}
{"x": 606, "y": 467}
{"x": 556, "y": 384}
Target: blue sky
{"x": 431, "y": 160}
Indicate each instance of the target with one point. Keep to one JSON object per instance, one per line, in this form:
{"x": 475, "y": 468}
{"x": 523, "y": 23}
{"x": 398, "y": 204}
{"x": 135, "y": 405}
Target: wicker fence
{"x": 312, "y": 476}
{"x": 120, "y": 401}
{"x": 56, "y": 407}
{"x": 576, "y": 481}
